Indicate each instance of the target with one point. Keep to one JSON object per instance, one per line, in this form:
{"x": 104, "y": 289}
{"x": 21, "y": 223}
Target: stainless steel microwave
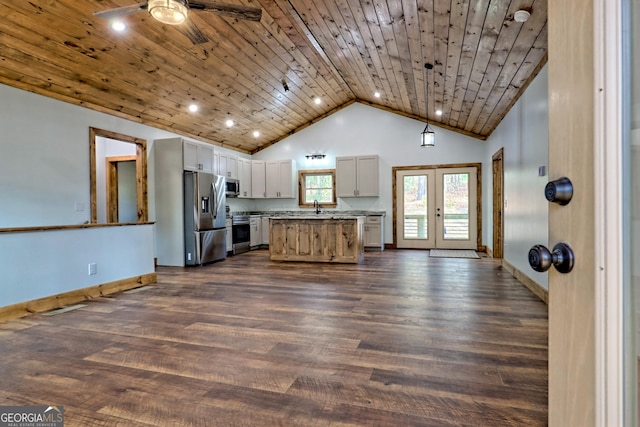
{"x": 233, "y": 187}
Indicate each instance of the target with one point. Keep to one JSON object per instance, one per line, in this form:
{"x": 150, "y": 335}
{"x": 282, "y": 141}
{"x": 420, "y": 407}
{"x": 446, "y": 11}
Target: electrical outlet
{"x": 188, "y": 256}
{"x": 93, "y": 269}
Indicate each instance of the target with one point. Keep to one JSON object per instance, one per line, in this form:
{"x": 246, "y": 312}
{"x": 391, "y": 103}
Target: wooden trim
{"x": 141, "y": 171}
{"x": 478, "y": 167}
{"x": 529, "y": 283}
{"x": 301, "y": 186}
{"x": 71, "y": 227}
{"x": 72, "y": 297}
{"x": 497, "y": 160}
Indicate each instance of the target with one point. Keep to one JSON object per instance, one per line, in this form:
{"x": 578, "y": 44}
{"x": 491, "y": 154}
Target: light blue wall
{"x": 524, "y": 135}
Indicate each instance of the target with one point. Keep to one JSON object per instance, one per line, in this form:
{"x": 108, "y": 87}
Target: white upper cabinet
{"x": 244, "y": 176}
{"x": 280, "y": 179}
{"x": 258, "y": 188}
{"x": 228, "y": 165}
{"x": 197, "y": 157}
{"x": 357, "y": 176}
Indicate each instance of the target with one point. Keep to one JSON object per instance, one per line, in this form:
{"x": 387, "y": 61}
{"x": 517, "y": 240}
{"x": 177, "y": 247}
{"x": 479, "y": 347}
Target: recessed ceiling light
{"x": 317, "y": 100}
{"x": 377, "y": 94}
{"x": 256, "y": 134}
{"x": 521, "y": 15}
{"x": 438, "y": 112}
{"x": 229, "y": 123}
{"x": 118, "y": 26}
{"x": 193, "y": 108}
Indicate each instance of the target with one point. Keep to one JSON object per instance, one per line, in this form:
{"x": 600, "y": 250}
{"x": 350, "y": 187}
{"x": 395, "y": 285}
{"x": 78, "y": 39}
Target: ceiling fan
{"x": 175, "y": 12}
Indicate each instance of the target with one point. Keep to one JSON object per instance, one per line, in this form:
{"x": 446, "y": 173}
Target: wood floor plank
{"x": 400, "y": 339}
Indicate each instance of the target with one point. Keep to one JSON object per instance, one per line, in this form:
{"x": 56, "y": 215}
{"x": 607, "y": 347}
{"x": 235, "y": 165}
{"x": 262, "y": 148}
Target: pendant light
{"x": 172, "y": 12}
{"x": 428, "y": 136}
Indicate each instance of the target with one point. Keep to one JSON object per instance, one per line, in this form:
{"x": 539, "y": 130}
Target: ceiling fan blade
{"x": 230, "y": 10}
{"x": 190, "y": 30}
{"x": 121, "y": 11}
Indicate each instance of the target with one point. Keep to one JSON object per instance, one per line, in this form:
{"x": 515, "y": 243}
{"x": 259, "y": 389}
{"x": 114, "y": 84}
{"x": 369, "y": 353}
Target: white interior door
{"x": 591, "y": 328}
{"x": 456, "y": 208}
{"x": 416, "y": 212}
{"x": 437, "y": 208}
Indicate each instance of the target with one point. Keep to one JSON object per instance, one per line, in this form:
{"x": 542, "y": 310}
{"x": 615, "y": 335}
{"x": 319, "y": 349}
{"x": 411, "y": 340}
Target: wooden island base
{"x": 317, "y": 239}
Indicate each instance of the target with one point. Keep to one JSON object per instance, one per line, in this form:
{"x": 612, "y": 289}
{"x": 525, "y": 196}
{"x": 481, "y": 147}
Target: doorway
{"x": 121, "y": 189}
{"x": 437, "y": 207}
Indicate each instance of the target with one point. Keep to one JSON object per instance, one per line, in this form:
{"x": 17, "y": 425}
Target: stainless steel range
{"x": 241, "y": 233}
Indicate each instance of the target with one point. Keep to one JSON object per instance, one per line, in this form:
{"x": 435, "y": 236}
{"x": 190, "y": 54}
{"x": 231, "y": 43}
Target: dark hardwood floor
{"x": 399, "y": 340}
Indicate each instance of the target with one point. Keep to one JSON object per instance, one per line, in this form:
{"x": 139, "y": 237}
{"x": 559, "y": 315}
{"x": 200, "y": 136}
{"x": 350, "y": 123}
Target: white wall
{"x": 44, "y": 174}
{"x": 359, "y": 130}
{"x": 523, "y": 134}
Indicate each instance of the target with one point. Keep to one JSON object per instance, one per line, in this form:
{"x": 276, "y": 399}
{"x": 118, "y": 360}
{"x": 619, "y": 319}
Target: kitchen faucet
{"x": 316, "y": 205}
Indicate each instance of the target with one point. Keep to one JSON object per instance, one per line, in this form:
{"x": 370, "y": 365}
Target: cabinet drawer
{"x": 374, "y": 220}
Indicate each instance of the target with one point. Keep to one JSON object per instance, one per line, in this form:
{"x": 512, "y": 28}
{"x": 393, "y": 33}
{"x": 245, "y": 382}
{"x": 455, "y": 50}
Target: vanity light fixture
{"x": 171, "y": 12}
{"x": 428, "y": 136}
{"x": 315, "y": 156}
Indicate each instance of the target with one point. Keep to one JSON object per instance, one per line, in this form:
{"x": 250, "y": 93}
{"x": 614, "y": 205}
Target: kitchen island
{"x": 320, "y": 238}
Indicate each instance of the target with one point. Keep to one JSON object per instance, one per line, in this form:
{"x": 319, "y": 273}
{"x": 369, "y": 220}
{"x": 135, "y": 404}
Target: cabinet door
{"x": 216, "y": 163}
{"x": 265, "y": 231}
{"x": 286, "y": 179}
{"x": 272, "y": 179}
{"x": 367, "y": 176}
{"x": 258, "y": 189}
{"x": 190, "y": 156}
{"x": 229, "y": 228}
{"x": 205, "y": 158}
{"x": 374, "y": 232}
{"x": 244, "y": 176}
{"x": 232, "y": 167}
{"x": 346, "y": 177}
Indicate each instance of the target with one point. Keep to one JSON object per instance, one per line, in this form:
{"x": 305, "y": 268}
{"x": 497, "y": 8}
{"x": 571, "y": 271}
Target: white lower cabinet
{"x": 255, "y": 231}
{"x": 265, "y": 230}
{"x": 374, "y": 233}
{"x": 229, "y": 235}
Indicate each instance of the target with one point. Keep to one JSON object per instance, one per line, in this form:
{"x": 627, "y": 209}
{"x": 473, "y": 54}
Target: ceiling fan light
{"x": 171, "y": 12}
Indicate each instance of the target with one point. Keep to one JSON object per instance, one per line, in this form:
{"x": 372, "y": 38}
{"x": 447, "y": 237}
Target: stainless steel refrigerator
{"x": 204, "y": 218}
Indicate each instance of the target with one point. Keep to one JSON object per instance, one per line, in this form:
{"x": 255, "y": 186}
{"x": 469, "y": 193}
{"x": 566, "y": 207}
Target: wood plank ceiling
{"x": 342, "y": 51}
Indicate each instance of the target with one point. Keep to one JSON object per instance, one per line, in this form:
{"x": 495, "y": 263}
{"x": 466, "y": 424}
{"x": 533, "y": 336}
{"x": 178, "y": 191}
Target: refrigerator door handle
{"x": 214, "y": 193}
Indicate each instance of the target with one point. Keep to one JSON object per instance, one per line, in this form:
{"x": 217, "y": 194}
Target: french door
{"x": 437, "y": 208}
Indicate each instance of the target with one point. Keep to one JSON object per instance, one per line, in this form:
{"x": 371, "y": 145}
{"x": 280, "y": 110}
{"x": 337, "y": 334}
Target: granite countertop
{"x": 319, "y": 216}
{"x": 328, "y": 213}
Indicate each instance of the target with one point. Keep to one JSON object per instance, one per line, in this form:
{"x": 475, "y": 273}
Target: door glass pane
{"x": 455, "y": 187}
{"x": 415, "y": 207}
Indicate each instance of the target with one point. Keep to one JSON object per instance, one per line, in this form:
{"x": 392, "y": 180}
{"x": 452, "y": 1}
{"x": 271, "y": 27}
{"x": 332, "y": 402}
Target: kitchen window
{"x": 318, "y": 184}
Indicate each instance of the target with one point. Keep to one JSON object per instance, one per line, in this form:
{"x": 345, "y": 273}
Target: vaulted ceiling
{"x": 341, "y": 51}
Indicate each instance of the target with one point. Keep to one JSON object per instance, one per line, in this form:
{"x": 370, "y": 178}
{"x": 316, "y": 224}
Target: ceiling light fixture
{"x": 229, "y": 123}
{"x": 377, "y": 94}
{"x": 317, "y": 100}
{"x": 521, "y": 15}
{"x": 256, "y": 134}
{"x": 171, "y": 12}
{"x": 193, "y": 108}
{"x": 427, "y": 137}
{"x": 438, "y": 112}
{"x": 285, "y": 86}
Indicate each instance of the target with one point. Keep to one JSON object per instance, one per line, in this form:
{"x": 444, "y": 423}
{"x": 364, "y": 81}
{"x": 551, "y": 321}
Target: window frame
{"x": 302, "y": 174}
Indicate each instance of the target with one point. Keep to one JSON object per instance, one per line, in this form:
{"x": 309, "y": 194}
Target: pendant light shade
{"x": 171, "y": 12}
{"x": 428, "y": 136}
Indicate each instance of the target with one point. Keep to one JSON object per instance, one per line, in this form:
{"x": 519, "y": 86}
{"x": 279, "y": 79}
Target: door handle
{"x": 562, "y": 258}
